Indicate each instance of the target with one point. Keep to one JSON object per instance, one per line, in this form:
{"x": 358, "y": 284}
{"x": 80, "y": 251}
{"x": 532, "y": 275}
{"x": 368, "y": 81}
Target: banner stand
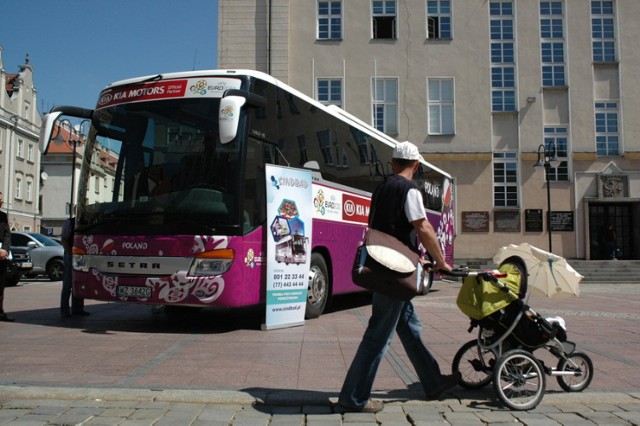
{"x": 289, "y": 217}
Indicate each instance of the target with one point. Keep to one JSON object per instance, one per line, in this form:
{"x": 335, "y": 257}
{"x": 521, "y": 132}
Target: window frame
{"x": 607, "y": 112}
{"x": 442, "y": 17}
{"x": 385, "y": 105}
{"x": 441, "y": 105}
{"x": 330, "y": 91}
{"x": 392, "y": 16}
{"x": 559, "y": 136}
{"x": 510, "y": 187}
{"x": 603, "y": 47}
{"x": 331, "y": 19}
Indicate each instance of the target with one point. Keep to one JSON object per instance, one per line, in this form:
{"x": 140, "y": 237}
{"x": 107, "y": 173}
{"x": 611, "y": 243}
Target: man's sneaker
{"x": 448, "y": 382}
{"x": 371, "y": 407}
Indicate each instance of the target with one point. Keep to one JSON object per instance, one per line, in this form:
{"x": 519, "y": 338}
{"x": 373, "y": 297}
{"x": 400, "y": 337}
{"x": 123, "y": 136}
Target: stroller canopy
{"x": 479, "y": 298}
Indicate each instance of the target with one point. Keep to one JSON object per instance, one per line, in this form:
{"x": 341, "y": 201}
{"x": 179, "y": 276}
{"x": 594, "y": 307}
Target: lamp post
{"x": 547, "y": 158}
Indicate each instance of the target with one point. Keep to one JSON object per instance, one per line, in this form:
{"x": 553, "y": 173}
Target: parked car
{"x": 46, "y": 254}
{"x": 19, "y": 265}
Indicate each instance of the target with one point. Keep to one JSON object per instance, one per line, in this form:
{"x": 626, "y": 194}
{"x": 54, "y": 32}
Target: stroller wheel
{"x": 519, "y": 380}
{"x": 582, "y": 368}
{"x": 475, "y": 365}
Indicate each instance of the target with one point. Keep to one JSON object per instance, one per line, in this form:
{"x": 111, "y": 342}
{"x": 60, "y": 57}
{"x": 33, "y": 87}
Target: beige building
{"x": 19, "y": 154}
{"x": 485, "y": 88}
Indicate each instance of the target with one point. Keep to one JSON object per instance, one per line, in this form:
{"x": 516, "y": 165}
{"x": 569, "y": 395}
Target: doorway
{"x": 610, "y": 231}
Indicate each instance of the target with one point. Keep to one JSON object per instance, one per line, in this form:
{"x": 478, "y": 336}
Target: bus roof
{"x": 331, "y": 109}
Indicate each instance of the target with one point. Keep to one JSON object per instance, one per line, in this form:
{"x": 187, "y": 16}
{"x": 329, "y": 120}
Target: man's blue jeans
{"x": 76, "y": 303}
{"x": 388, "y": 315}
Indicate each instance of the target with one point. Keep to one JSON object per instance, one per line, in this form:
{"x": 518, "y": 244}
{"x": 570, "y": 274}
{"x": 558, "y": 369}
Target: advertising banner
{"x": 289, "y": 217}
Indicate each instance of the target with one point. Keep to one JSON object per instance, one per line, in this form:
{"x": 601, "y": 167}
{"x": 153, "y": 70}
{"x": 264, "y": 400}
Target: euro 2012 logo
{"x": 200, "y": 87}
{"x": 250, "y": 260}
{"x": 318, "y": 202}
{"x": 227, "y": 111}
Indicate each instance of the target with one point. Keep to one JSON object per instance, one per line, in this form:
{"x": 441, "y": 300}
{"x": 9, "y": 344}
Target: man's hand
{"x": 4, "y": 254}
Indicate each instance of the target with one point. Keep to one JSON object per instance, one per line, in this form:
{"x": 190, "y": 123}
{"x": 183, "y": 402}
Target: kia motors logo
{"x": 349, "y": 208}
{"x": 105, "y": 99}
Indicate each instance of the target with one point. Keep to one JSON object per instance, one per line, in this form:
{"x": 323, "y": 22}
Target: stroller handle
{"x": 488, "y": 274}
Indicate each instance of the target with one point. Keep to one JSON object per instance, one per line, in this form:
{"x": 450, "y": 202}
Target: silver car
{"x": 46, "y": 254}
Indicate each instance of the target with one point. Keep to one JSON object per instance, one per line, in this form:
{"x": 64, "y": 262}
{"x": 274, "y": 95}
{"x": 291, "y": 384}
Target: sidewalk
{"x": 128, "y": 365}
{"x": 96, "y": 406}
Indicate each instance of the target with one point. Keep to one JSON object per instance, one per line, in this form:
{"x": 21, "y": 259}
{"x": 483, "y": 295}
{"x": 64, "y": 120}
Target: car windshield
{"x": 44, "y": 240}
{"x": 169, "y": 171}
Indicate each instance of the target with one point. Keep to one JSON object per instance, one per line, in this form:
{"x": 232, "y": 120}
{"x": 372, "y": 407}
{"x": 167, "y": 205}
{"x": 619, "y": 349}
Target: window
{"x": 552, "y": 44}
{"x": 602, "y": 31}
{"x": 330, "y": 91}
{"x": 505, "y": 179}
{"x": 324, "y": 140}
{"x": 439, "y": 19}
{"x": 557, "y": 138}
{"x": 360, "y": 139}
{"x": 20, "y": 149}
{"x": 18, "y": 195}
{"x": 29, "y": 191}
{"x": 503, "y": 94}
{"x": 607, "y": 137}
{"x": 329, "y": 20}
{"x": 503, "y": 75}
{"x": 302, "y": 146}
{"x": 30, "y": 151}
{"x": 440, "y": 110}
{"x": 97, "y": 184}
{"x": 385, "y": 105}
{"x": 384, "y": 19}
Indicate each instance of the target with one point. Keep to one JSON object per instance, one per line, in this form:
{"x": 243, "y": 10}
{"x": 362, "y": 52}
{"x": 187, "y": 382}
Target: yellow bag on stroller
{"x": 479, "y": 298}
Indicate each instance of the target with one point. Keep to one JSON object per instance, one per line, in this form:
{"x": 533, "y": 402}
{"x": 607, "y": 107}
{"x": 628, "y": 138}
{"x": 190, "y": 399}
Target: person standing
{"x": 77, "y": 303}
{"x": 405, "y": 223}
{"x": 5, "y": 246}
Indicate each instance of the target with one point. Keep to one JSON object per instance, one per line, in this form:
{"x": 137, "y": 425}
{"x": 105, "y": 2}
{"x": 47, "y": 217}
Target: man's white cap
{"x": 406, "y": 151}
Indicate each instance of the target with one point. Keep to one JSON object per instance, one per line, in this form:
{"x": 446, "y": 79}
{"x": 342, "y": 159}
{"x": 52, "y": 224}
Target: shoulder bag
{"x": 386, "y": 265}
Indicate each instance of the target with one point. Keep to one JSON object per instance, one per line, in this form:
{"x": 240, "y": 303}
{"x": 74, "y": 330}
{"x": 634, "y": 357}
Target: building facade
{"x": 486, "y": 89}
{"x": 19, "y": 153}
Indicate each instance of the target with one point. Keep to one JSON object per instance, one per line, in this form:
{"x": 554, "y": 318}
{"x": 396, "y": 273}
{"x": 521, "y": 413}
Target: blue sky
{"x": 77, "y": 47}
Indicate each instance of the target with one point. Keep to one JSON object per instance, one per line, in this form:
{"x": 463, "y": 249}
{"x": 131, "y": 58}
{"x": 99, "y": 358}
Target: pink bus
{"x": 171, "y": 197}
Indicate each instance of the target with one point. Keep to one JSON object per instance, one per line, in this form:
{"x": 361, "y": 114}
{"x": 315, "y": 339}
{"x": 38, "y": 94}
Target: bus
{"x": 179, "y": 163}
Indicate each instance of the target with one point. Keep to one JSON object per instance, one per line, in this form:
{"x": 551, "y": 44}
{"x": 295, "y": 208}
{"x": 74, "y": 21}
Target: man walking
{"x": 399, "y": 211}
{"x": 5, "y": 245}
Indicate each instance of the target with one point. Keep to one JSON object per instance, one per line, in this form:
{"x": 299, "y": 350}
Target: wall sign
{"x": 475, "y": 221}
{"x": 506, "y": 221}
{"x": 561, "y": 221}
{"x": 533, "y": 220}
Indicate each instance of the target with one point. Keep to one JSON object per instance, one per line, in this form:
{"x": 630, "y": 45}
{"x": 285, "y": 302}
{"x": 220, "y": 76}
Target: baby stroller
{"x": 509, "y": 333}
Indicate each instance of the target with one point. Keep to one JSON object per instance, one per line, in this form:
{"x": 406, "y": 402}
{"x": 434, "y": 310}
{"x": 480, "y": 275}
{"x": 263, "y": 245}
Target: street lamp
{"x": 547, "y": 158}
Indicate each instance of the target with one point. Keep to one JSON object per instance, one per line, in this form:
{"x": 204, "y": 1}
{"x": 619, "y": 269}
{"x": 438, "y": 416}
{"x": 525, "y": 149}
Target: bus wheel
{"x": 318, "y": 291}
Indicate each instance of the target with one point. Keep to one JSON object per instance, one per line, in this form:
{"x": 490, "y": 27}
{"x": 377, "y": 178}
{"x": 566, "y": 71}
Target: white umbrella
{"x": 549, "y": 275}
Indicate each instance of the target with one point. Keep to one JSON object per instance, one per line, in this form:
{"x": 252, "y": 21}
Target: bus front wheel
{"x": 318, "y": 291}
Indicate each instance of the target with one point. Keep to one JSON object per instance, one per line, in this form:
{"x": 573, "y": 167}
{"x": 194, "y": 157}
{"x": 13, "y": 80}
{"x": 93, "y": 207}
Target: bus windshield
{"x": 171, "y": 174}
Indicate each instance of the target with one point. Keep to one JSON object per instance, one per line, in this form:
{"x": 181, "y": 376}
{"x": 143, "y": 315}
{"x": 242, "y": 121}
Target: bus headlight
{"x": 79, "y": 260}
{"x": 214, "y": 262}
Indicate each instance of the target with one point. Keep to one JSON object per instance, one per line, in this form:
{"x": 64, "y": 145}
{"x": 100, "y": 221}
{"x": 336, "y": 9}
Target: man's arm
{"x": 428, "y": 238}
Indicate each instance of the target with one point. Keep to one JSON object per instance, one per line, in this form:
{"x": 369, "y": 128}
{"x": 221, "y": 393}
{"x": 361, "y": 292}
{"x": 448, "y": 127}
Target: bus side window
{"x": 255, "y": 203}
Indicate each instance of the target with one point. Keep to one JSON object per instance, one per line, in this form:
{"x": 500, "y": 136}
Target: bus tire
{"x": 318, "y": 287}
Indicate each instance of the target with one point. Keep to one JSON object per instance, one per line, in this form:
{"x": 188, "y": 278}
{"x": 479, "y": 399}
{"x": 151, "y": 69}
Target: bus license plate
{"x": 129, "y": 291}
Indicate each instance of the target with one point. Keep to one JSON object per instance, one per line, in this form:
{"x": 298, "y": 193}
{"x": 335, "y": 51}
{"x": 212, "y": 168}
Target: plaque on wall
{"x": 533, "y": 220}
{"x": 475, "y": 221}
{"x": 506, "y": 221}
{"x": 561, "y": 221}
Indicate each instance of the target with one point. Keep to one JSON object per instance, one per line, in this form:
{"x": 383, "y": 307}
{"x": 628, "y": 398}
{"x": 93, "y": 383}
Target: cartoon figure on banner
{"x": 287, "y": 231}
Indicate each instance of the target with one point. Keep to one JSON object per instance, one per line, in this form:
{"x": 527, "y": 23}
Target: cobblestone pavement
{"x": 128, "y": 365}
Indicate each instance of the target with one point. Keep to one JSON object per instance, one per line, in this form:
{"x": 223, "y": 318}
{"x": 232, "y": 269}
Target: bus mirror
{"x": 313, "y": 165}
{"x": 46, "y": 129}
{"x": 229, "y": 117}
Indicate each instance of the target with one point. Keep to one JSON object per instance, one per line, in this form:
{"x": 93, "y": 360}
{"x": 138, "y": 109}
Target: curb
{"x": 277, "y": 397}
